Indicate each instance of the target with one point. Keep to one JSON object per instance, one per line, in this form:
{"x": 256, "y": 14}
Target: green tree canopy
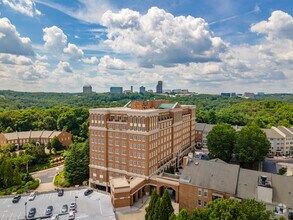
{"x": 76, "y": 163}
{"x": 228, "y": 209}
{"x": 55, "y": 143}
{"x": 251, "y": 145}
{"x": 221, "y": 140}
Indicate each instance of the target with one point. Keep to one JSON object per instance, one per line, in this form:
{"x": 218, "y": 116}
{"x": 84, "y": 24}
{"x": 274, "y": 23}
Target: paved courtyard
{"x": 95, "y": 206}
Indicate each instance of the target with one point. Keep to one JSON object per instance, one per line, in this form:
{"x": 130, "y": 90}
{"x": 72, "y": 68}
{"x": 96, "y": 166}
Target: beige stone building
{"x": 41, "y": 137}
{"x": 138, "y": 140}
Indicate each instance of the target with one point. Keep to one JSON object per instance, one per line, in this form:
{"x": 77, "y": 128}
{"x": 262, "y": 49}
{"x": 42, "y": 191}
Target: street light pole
{"x": 25, "y": 216}
{"x": 75, "y": 198}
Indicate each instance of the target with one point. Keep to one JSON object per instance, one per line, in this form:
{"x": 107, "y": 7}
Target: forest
{"x": 21, "y": 111}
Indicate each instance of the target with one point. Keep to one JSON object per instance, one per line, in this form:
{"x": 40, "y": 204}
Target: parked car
{"x": 32, "y": 196}
{"x": 49, "y": 211}
{"x": 60, "y": 192}
{"x": 71, "y": 215}
{"x": 55, "y": 217}
{"x": 64, "y": 209}
{"x": 72, "y": 206}
{"x": 32, "y": 213}
{"x": 16, "y": 198}
{"x": 88, "y": 192}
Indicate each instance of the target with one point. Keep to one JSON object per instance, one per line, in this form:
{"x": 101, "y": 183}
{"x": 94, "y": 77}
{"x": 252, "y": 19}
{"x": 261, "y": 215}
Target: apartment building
{"x": 277, "y": 141}
{"x": 288, "y": 136}
{"x": 41, "y": 137}
{"x": 281, "y": 138}
{"x": 204, "y": 181}
{"x": 138, "y": 140}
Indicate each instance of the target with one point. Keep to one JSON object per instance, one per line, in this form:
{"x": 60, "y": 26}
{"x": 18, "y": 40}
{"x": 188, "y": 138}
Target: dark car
{"x": 88, "y": 191}
{"x": 16, "y": 199}
{"x": 60, "y": 192}
{"x": 32, "y": 213}
{"x": 49, "y": 211}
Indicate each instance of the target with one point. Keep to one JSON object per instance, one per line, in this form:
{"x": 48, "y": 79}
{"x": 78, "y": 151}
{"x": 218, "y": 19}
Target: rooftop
{"x": 271, "y": 133}
{"x": 218, "y": 175}
{"x": 213, "y": 175}
{"x": 285, "y": 131}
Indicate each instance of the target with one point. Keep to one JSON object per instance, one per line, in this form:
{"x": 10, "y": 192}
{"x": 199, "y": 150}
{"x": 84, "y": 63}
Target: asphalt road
{"x": 47, "y": 176}
{"x": 95, "y": 206}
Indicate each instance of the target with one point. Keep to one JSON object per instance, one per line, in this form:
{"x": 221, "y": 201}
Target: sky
{"x": 205, "y": 46}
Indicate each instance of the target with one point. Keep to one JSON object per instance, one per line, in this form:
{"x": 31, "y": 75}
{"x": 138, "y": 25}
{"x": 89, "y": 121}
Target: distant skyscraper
{"x": 131, "y": 89}
{"x": 142, "y": 89}
{"x": 160, "y": 87}
{"x": 87, "y": 88}
{"x": 116, "y": 90}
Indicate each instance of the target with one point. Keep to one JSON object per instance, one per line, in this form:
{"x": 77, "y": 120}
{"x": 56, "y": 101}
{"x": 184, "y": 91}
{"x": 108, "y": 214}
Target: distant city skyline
{"x": 203, "y": 46}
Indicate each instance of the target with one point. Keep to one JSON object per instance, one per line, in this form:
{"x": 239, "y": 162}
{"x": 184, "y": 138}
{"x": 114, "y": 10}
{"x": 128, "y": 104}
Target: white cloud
{"x": 92, "y": 60}
{"x": 40, "y": 57}
{"x": 27, "y": 7}
{"x": 38, "y": 71}
{"x": 54, "y": 38}
{"x": 74, "y": 52}
{"x": 159, "y": 38}
{"x": 10, "y": 40}
{"x": 279, "y": 25}
{"x": 63, "y": 67}
{"x": 14, "y": 59}
{"x": 89, "y": 11}
{"x": 106, "y": 62}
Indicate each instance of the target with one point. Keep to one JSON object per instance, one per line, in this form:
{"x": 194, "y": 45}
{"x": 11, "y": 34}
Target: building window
{"x": 199, "y": 192}
{"x": 199, "y": 202}
{"x": 204, "y": 203}
{"x": 205, "y": 193}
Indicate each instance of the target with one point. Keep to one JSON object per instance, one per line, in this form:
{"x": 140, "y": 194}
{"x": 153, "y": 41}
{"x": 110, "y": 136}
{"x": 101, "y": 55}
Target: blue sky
{"x": 206, "y": 46}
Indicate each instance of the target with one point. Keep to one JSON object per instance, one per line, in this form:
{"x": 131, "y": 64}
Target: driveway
{"x": 47, "y": 177}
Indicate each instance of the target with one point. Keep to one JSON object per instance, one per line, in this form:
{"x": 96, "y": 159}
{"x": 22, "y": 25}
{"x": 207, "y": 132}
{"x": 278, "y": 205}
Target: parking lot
{"x": 93, "y": 206}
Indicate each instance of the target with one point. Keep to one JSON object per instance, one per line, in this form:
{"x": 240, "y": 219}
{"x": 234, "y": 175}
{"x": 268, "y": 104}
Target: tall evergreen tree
{"x": 76, "y": 163}
{"x": 151, "y": 207}
{"x": 166, "y": 206}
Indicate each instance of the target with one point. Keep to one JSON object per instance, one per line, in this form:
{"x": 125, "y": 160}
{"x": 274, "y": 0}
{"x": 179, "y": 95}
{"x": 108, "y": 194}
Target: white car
{"x": 55, "y": 217}
{"x": 72, "y": 206}
{"x": 32, "y": 196}
{"x": 71, "y": 215}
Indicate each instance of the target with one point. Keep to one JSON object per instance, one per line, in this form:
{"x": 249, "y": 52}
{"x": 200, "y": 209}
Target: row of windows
{"x": 117, "y": 159}
{"x": 136, "y": 163}
{"x": 117, "y": 151}
{"x": 199, "y": 203}
{"x": 205, "y": 192}
{"x": 165, "y": 132}
{"x": 137, "y": 146}
{"x": 97, "y": 156}
{"x": 136, "y": 155}
{"x": 98, "y": 133}
{"x": 98, "y": 163}
{"x": 117, "y": 143}
{"x": 98, "y": 141}
{"x": 165, "y": 124}
{"x": 100, "y": 149}
{"x": 137, "y": 137}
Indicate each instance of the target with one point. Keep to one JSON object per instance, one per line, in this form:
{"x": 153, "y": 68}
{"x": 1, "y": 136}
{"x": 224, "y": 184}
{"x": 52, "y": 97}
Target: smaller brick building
{"x": 204, "y": 181}
{"x": 41, "y": 137}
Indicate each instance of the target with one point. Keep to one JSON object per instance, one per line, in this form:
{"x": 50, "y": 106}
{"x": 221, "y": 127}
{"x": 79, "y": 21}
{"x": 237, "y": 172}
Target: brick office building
{"x": 139, "y": 140}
